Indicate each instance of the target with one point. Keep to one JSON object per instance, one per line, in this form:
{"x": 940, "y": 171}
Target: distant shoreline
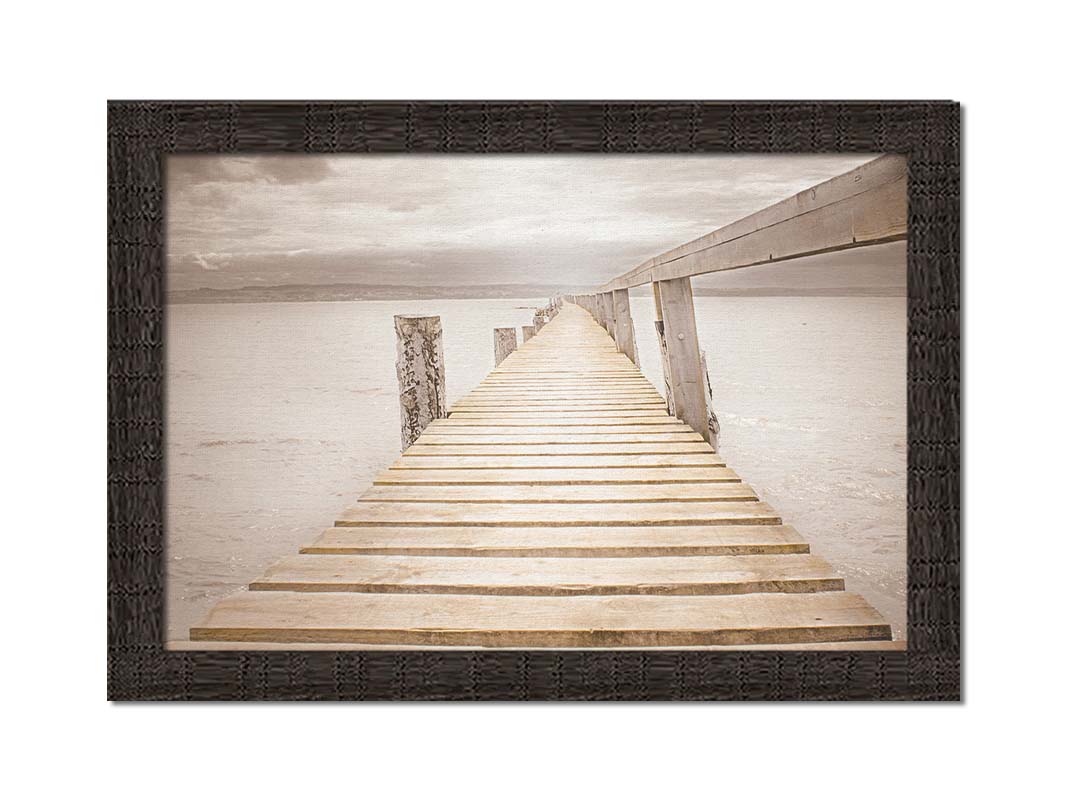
{"x": 351, "y": 293}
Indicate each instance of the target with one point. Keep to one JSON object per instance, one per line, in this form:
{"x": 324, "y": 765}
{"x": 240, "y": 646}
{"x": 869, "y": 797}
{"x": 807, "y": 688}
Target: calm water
{"x": 280, "y": 414}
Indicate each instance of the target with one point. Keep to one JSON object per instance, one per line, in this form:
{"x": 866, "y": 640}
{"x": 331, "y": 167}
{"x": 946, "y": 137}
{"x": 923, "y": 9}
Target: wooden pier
{"x": 558, "y": 505}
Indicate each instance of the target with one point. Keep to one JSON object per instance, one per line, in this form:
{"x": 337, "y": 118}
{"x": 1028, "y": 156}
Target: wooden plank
{"x": 540, "y": 421}
{"x": 615, "y": 460}
{"x": 582, "y": 514}
{"x": 544, "y": 477}
{"x": 564, "y": 394}
{"x": 528, "y": 399}
{"x": 627, "y": 377}
{"x": 562, "y": 542}
{"x": 614, "y": 449}
{"x": 545, "y": 577}
{"x": 858, "y": 646}
{"x": 555, "y": 430}
{"x": 862, "y": 207}
{"x": 561, "y": 403}
{"x": 620, "y": 621}
{"x": 549, "y": 408}
{"x": 428, "y": 439}
{"x": 557, "y": 493}
{"x": 547, "y": 419}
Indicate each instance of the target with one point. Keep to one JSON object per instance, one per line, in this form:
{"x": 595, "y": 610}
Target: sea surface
{"x": 280, "y": 414}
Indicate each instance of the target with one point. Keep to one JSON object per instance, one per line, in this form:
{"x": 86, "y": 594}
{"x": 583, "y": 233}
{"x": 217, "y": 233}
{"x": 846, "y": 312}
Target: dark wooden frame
{"x": 141, "y": 134}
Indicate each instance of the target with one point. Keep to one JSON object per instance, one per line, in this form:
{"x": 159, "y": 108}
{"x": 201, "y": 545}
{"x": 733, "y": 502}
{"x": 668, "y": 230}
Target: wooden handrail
{"x": 865, "y": 206}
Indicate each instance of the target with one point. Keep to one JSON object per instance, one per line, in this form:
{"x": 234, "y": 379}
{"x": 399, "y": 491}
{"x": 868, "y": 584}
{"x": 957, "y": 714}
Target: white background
{"x": 59, "y": 66}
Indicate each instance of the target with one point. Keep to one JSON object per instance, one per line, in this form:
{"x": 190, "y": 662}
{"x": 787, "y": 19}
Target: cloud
{"x": 428, "y": 219}
{"x": 195, "y": 170}
{"x": 204, "y": 263}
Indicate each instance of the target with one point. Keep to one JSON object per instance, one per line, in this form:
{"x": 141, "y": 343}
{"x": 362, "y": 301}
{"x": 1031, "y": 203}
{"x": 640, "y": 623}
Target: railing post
{"x": 420, "y": 374}
{"x": 668, "y": 395}
{"x": 713, "y": 421}
{"x": 528, "y": 332}
{"x": 609, "y": 315}
{"x": 624, "y": 325}
{"x": 683, "y": 353}
{"x": 504, "y": 343}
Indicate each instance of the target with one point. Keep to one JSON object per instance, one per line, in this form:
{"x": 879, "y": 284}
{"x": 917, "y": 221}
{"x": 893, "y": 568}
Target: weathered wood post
{"x": 713, "y": 421}
{"x": 609, "y": 315}
{"x": 624, "y": 324}
{"x": 602, "y": 310}
{"x": 528, "y": 332}
{"x": 420, "y": 373}
{"x": 504, "y": 343}
{"x": 683, "y": 353}
{"x": 668, "y": 396}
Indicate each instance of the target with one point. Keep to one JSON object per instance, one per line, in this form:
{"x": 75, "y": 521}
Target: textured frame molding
{"x": 141, "y": 134}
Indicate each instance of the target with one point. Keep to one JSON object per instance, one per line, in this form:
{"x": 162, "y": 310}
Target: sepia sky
{"x": 443, "y": 219}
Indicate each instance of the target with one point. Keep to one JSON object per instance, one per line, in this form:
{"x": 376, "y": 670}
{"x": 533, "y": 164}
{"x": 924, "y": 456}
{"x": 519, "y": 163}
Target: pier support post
{"x": 420, "y": 374}
{"x": 609, "y": 315}
{"x": 668, "y": 396}
{"x": 683, "y": 354}
{"x": 624, "y": 325}
{"x": 528, "y": 332}
{"x": 504, "y": 343}
{"x": 602, "y": 310}
{"x": 713, "y": 421}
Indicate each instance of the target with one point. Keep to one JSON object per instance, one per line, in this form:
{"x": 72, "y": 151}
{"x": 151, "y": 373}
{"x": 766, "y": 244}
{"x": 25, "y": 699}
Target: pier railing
{"x": 863, "y": 207}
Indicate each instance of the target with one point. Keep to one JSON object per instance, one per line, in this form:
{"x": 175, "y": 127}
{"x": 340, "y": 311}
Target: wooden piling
{"x": 602, "y": 310}
{"x": 420, "y": 374}
{"x": 713, "y": 421}
{"x": 683, "y": 353}
{"x": 528, "y": 332}
{"x": 624, "y": 325}
{"x": 609, "y": 316}
{"x": 504, "y": 343}
{"x": 668, "y": 395}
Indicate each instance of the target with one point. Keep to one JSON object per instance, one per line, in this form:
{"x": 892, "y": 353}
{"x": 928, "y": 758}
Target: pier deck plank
{"x": 561, "y": 542}
{"x": 471, "y": 620}
{"x": 558, "y": 505}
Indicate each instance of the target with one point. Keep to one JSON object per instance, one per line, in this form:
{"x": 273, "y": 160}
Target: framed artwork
{"x": 534, "y": 400}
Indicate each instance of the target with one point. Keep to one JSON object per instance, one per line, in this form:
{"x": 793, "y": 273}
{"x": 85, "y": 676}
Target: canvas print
{"x": 536, "y": 401}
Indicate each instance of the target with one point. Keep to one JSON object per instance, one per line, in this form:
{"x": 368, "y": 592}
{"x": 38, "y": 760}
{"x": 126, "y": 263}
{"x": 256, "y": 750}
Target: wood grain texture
{"x": 655, "y": 492}
{"x": 535, "y": 576}
{"x": 545, "y": 477}
{"x": 621, "y": 621}
{"x": 561, "y": 542}
{"x": 420, "y": 374}
{"x": 573, "y": 513}
{"x": 865, "y": 206}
